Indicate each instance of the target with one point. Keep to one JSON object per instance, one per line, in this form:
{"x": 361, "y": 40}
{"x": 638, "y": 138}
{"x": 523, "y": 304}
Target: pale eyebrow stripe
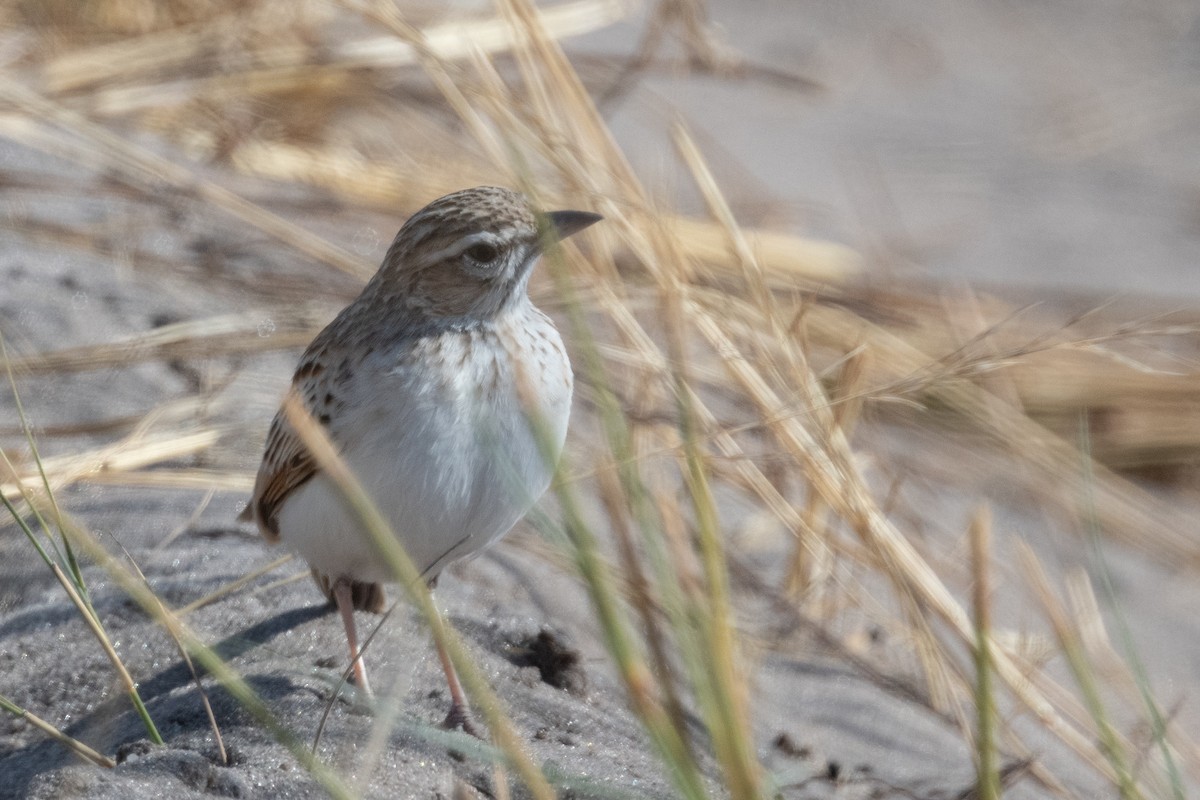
{"x": 458, "y": 246}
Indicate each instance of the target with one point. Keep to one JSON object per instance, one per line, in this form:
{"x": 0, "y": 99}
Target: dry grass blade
{"x": 829, "y": 465}
{"x": 347, "y": 174}
{"x": 138, "y": 63}
{"x": 109, "y": 464}
{"x": 1125, "y": 511}
{"x": 191, "y": 340}
{"x": 108, "y": 151}
{"x": 616, "y": 505}
{"x": 163, "y": 478}
{"x": 811, "y": 566}
{"x": 836, "y": 478}
{"x": 828, "y": 462}
{"x": 76, "y": 746}
{"x": 788, "y": 260}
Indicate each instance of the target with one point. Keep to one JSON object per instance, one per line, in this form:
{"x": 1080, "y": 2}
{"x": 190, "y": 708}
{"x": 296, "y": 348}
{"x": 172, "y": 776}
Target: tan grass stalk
{"x": 69, "y": 742}
{"x": 346, "y": 173}
{"x": 836, "y": 478}
{"x": 71, "y": 429}
{"x": 500, "y": 782}
{"x": 113, "y": 460}
{"x": 986, "y": 756}
{"x": 162, "y": 478}
{"x": 227, "y": 334}
{"x": 271, "y": 586}
{"x": 939, "y": 671}
{"x": 132, "y": 57}
{"x": 786, "y": 258}
{"x": 828, "y": 434}
{"x": 1125, "y": 512}
{"x": 616, "y": 506}
{"x": 743, "y": 252}
{"x": 808, "y": 577}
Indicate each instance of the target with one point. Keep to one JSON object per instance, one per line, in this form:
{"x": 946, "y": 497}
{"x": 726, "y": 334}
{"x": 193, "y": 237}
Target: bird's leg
{"x": 459, "y": 715}
{"x": 345, "y": 603}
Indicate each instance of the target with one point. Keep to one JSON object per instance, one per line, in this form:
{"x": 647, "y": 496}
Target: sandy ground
{"x": 1029, "y": 146}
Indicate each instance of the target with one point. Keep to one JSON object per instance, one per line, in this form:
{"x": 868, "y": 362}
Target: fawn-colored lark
{"x": 446, "y": 393}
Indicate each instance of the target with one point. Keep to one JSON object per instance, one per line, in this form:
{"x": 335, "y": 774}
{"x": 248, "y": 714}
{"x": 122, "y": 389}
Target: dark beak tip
{"x": 568, "y": 223}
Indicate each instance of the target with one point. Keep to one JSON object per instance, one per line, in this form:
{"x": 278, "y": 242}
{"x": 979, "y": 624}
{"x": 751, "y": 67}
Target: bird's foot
{"x": 459, "y": 718}
{"x": 362, "y": 687}
{"x": 361, "y": 697}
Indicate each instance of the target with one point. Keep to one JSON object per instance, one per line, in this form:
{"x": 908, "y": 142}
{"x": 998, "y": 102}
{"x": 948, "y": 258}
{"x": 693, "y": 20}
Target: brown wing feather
{"x": 286, "y": 466}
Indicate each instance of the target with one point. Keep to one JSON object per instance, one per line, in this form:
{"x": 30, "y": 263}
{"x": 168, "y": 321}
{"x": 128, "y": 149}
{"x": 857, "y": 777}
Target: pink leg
{"x": 459, "y": 715}
{"x": 345, "y": 604}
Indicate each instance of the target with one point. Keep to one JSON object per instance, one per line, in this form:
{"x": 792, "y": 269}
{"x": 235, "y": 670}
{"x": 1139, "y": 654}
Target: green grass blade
{"x": 1158, "y": 724}
{"x": 68, "y": 554}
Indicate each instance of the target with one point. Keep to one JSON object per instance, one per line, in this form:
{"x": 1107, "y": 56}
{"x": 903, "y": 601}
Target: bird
{"x": 447, "y": 394}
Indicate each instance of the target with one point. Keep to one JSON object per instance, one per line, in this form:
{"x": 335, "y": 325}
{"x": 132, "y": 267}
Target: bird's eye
{"x": 481, "y": 253}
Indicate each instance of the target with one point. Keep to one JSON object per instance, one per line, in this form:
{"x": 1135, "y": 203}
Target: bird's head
{"x": 469, "y": 254}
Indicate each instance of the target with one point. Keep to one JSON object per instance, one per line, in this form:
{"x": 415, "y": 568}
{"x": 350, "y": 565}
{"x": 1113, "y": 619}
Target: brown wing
{"x": 286, "y": 466}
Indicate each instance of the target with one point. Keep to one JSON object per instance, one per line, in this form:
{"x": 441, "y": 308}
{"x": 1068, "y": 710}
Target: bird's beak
{"x": 568, "y": 223}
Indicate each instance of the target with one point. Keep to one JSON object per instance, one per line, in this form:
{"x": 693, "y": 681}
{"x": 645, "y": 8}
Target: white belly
{"x": 450, "y": 473}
